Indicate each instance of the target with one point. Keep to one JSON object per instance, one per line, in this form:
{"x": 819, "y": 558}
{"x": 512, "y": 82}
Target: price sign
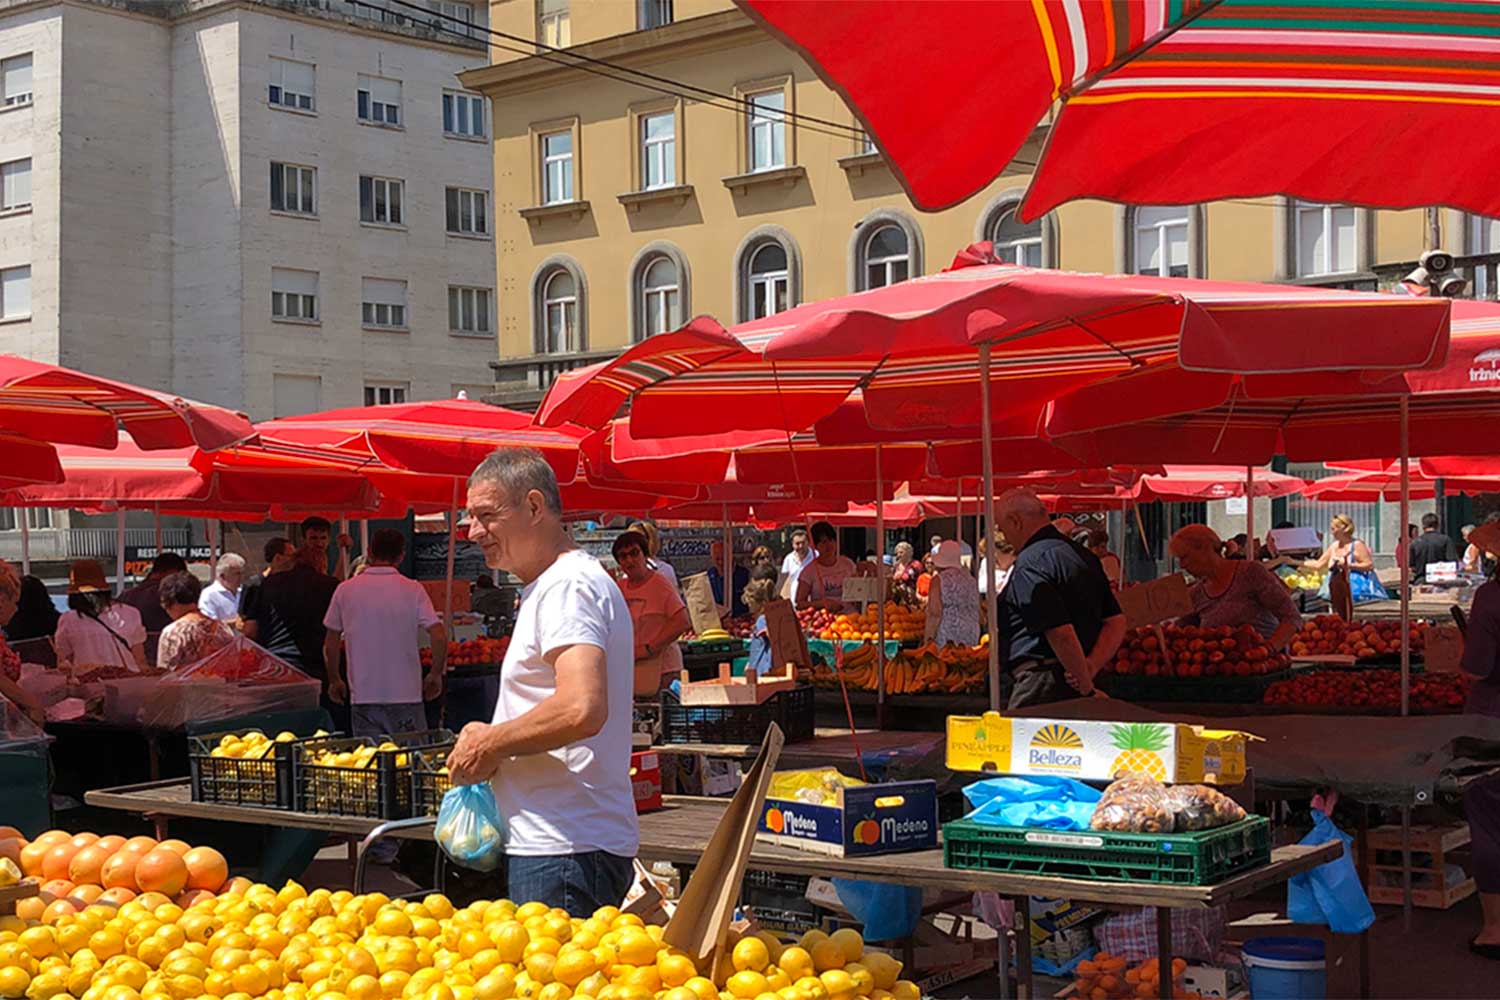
{"x": 1157, "y": 601}
{"x": 862, "y": 590}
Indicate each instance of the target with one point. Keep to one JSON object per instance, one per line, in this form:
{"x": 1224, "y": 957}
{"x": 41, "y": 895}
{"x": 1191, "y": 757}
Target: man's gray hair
{"x": 229, "y": 561}
{"x": 1020, "y": 502}
{"x": 518, "y": 471}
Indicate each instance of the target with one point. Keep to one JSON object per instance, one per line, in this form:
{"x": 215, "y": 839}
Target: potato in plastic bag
{"x": 1134, "y": 803}
{"x": 1198, "y": 807}
{"x": 469, "y": 827}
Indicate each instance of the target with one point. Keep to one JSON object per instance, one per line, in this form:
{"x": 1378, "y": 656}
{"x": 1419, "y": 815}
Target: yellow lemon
{"x": 747, "y": 984}
{"x": 905, "y": 989}
{"x": 827, "y": 955}
{"x": 637, "y": 948}
{"x": 796, "y": 962}
{"x": 863, "y": 978}
{"x": 850, "y": 942}
{"x": 751, "y": 953}
{"x": 392, "y": 983}
{"x": 495, "y": 986}
{"x": 675, "y": 968}
{"x": 539, "y": 966}
{"x": 885, "y": 969}
{"x": 574, "y": 967}
{"x": 14, "y": 981}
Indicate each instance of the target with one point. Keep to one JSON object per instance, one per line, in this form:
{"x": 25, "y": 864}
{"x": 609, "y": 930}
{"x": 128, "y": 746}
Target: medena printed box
{"x": 1096, "y": 751}
{"x": 867, "y": 819}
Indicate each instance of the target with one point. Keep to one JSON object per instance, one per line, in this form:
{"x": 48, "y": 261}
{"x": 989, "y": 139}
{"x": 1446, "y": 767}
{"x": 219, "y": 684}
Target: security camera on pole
{"x": 1435, "y": 275}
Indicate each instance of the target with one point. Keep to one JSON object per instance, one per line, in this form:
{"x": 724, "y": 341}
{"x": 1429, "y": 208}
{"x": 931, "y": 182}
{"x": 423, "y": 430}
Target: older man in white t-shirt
{"x": 558, "y": 751}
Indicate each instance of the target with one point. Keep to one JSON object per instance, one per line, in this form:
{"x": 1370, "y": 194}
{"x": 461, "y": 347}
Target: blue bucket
{"x": 1286, "y": 968}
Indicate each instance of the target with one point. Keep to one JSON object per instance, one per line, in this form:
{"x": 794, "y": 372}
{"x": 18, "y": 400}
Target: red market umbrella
{"x": 26, "y": 461}
{"x": 1368, "y": 486}
{"x": 1213, "y": 482}
{"x": 50, "y": 403}
{"x": 1166, "y": 103}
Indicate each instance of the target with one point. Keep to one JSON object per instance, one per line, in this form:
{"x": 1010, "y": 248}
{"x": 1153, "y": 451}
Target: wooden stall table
{"x": 827, "y": 747}
{"x": 1439, "y": 606}
{"x": 680, "y": 831}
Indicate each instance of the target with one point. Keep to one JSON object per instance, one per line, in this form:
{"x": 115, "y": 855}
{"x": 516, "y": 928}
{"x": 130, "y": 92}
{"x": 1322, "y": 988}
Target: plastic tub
{"x": 1286, "y": 968}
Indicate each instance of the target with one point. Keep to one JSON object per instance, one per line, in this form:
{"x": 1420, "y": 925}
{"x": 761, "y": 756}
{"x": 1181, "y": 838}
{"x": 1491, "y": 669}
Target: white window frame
{"x": 885, "y": 263}
{"x": 760, "y": 118}
{"x": 15, "y": 185}
{"x": 470, "y": 311}
{"x": 670, "y": 296}
{"x": 284, "y": 98}
{"x": 8, "y": 277}
{"x": 763, "y": 286}
{"x": 306, "y": 182}
{"x": 478, "y": 204}
{"x": 563, "y": 188}
{"x": 473, "y": 111}
{"x": 1015, "y": 251}
{"x": 452, "y": 11}
{"x": 381, "y": 191}
{"x": 37, "y": 518}
{"x": 381, "y": 315}
{"x": 1161, "y": 229}
{"x": 658, "y": 153}
{"x": 554, "y": 27}
{"x": 1480, "y": 229}
{"x": 1323, "y": 268}
{"x": 653, "y": 14}
{"x": 16, "y": 70}
{"x": 289, "y": 305}
{"x": 386, "y": 393}
{"x": 565, "y": 309}
{"x": 383, "y": 113}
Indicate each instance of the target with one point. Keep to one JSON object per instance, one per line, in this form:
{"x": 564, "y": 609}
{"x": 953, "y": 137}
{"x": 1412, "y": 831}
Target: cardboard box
{"x": 1094, "y": 751}
{"x": 645, "y": 781}
{"x": 869, "y": 819}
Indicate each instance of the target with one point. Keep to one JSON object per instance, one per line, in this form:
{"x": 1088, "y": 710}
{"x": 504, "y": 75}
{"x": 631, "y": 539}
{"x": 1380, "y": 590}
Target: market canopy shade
{"x": 1170, "y": 101}
{"x": 62, "y": 406}
{"x": 26, "y": 461}
{"x": 1367, "y": 486}
{"x": 1212, "y": 482}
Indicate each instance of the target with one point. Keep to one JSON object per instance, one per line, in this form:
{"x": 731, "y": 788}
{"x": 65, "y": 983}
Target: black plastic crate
{"x": 793, "y": 923}
{"x": 380, "y": 790}
{"x": 701, "y": 658}
{"x": 791, "y": 710}
{"x": 775, "y": 882}
{"x": 429, "y": 780}
{"x": 240, "y": 781}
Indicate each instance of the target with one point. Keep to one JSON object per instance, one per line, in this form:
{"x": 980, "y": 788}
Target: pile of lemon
{"x": 253, "y": 745}
{"x": 291, "y": 944}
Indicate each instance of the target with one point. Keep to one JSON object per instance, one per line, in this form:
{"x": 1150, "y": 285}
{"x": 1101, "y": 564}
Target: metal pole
{"x": 1403, "y": 555}
{"x": 1250, "y": 511}
{"x": 987, "y": 464}
{"x": 342, "y": 572}
{"x": 727, "y": 539}
{"x": 879, "y": 607}
{"x": 119, "y": 552}
{"x": 452, "y": 535}
{"x": 364, "y": 537}
{"x": 156, "y": 509}
{"x": 25, "y": 542}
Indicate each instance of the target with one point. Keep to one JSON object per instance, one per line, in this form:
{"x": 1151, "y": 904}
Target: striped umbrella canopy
{"x": 27, "y": 461}
{"x": 1167, "y": 101}
{"x": 1385, "y": 484}
{"x": 914, "y": 349}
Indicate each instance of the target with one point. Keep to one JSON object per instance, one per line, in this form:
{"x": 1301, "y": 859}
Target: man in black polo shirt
{"x": 1431, "y": 546}
{"x": 1059, "y": 620}
{"x": 285, "y": 615}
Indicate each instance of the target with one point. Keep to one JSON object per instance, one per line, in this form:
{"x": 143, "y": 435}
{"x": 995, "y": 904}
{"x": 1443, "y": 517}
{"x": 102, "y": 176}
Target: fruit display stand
{"x": 681, "y": 830}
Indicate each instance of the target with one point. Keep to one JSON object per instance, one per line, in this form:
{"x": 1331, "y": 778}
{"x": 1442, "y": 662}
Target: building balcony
{"x": 99, "y": 543}
{"x": 520, "y": 383}
{"x": 1481, "y": 270}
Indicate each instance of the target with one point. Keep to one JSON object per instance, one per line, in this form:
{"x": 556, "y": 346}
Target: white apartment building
{"x": 274, "y": 205}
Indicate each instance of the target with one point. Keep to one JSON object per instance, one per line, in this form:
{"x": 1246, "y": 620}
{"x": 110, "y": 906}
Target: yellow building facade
{"x": 736, "y": 183}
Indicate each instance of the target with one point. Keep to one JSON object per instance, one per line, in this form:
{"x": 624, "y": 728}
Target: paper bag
{"x": 784, "y": 632}
{"x": 1444, "y": 650}
{"x": 1155, "y": 601}
{"x": 1486, "y": 538}
{"x": 701, "y": 923}
{"x": 703, "y": 612}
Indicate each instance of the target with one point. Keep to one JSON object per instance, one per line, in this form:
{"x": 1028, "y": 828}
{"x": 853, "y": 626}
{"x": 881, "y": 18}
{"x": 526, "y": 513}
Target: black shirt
{"x": 287, "y": 609}
{"x": 1054, "y": 582}
{"x": 1430, "y": 547}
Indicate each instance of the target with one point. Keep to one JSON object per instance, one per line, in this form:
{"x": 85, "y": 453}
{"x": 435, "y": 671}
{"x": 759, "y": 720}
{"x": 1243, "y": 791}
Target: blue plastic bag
{"x": 1049, "y": 803}
{"x": 889, "y": 912}
{"x": 1331, "y": 893}
{"x": 469, "y": 827}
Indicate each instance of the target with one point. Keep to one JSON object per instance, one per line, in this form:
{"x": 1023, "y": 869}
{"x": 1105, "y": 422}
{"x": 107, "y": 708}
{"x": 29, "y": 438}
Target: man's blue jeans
{"x": 578, "y": 883}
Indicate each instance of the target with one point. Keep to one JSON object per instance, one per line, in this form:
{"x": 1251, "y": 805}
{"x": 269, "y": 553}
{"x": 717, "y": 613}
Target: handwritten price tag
{"x": 1158, "y": 601}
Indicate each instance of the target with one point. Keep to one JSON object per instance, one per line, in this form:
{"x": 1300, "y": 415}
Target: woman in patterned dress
{"x": 192, "y": 634}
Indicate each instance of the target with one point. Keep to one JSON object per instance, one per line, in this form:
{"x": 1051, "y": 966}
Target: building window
{"x": 380, "y": 200}
{"x": 469, "y": 310}
{"x": 383, "y": 303}
{"x": 463, "y": 114}
{"x": 15, "y": 292}
{"x": 652, "y": 14}
{"x": 560, "y": 313}
{"x": 1326, "y": 239}
{"x": 552, "y": 27}
{"x": 660, "y": 297}
{"x": 294, "y": 294}
{"x": 379, "y": 100}
{"x": 557, "y": 167}
{"x": 36, "y": 518}
{"x": 294, "y": 395}
{"x": 467, "y": 212}
{"x": 658, "y": 150}
{"x": 1484, "y": 238}
{"x": 292, "y": 189}
{"x": 1161, "y": 241}
{"x": 293, "y": 85}
{"x": 770, "y": 281}
{"x": 886, "y": 257}
{"x": 15, "y": 77}
{"x": 15, "y": 185}
{"x": 456, "y": 18}
{"x": 867, "y": 144}
{"x": 767, "y": 124}
{"x": 1016, "y": 242}
{"x": 385, "y": 393}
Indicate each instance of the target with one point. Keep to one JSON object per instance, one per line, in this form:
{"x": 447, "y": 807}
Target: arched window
{"x": 560, "y": 334}
{"x": 1016, "y": 242}
{"x": 770, "y": 280}
{"x": 887, "y": 257}
{"x": 1161, "y": 245}
{"x": 660, "y": 296}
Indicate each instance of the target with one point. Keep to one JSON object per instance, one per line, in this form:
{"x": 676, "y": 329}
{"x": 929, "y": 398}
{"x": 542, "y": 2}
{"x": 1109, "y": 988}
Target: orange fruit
{"x": 56, "y": 889}
{"x": 55, "y": 864}
{"x": 190, "y": 897}
{"x": 82, "y": 840}
{"x": 11, "y": 847}
{"x": 140, "y": 845}
{"x": 177, "y": 847}
{"x": 31, "y": 857}
{"x": 162, "y": 870}
{"x": 83, "y": 895}
{"x": 86, "y": 864}
{"x": 56, "y": 910}
{"x": 119, "y": 871}
{"x": 117, "y": 896}
{"x": 111, "y": 843}
{"x": 206, "y": 867}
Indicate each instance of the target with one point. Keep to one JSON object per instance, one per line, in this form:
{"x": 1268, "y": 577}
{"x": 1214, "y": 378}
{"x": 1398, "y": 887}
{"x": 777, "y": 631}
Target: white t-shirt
{"x": 665, "y": 569}
{"x": 1001, "y": 576}
{"x": 381, "y": 613}
{"x": 791, "y": 568}
{"x": 219, "y": 602}
{"x": 575, "y": 798}
{"x": 84, "y": 642}
{"x": 827, "y": 582}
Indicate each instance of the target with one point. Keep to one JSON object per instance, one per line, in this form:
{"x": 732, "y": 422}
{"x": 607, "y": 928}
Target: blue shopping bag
{"x": 1331, "y": 893}
{"x": 469, "y": 827}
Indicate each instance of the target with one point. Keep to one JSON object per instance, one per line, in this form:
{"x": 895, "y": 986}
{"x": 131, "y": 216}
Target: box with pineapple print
{"x": 1096, "y": 751}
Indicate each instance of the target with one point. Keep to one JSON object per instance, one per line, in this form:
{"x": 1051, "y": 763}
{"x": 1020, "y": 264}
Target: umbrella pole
{"x": 1403, "y": 556}
{"x": 880, "y": 606}
{"x": 448, "y": 590}
{"x": 156, "y": 509}
{"x": 987, "y": 464}
{"x": 1250, "y": 511}
{"x": 25, "y": 543}
{"x": 119, "y": 552}
{"x": 364, "y": 537}
{"x": 343, "y": 568}
{"x": 727, "y": 537}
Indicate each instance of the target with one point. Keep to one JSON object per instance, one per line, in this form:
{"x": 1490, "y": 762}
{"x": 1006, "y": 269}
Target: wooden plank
{"x": 24, "y": 889}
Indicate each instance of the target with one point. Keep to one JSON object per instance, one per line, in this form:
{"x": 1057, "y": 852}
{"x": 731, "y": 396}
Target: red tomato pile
{"x": 1363, "y": 640}
{"x": 472, "y": 652}
{"x": 1196, "y": 651}
{"x": 1430, "y": 693}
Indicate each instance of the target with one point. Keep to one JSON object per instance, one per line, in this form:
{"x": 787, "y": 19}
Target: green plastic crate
{"x": 1200, "y": 858}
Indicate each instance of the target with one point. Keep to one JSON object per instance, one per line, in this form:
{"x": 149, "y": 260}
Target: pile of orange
{"x": 292, "y": 944}
{"x": 901, "y": 622}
